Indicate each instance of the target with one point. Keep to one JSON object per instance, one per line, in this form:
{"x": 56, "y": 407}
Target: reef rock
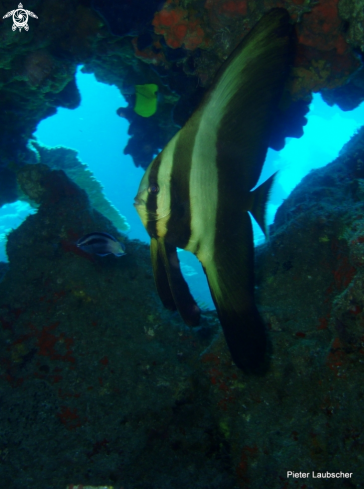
{"x": 66, "y": 159}
{"x": 125, "y": 17}
{"x": 118, "y": 391}
{"x": 178, "y": 45}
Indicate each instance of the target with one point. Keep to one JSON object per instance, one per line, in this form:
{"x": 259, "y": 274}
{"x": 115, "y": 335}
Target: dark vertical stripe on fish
{"x": 179, "y": 223}
{"x": 152, "y": 201}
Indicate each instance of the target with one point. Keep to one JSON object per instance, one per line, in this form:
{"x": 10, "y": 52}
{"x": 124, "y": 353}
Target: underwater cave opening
{"x": 99, "y": 136}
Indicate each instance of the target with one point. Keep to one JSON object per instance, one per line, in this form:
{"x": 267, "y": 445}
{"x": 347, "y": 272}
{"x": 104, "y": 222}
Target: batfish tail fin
{"x": 171, "y": 286}
{"x": 259, "y": 198}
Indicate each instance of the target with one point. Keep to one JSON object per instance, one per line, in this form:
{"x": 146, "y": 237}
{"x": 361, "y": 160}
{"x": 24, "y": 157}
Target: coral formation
{"x": 8, "y": 191}
{"x": 179, "y": 27}
{"x": 145, "y": 138}
{"x": 178, "y": 45}
{"x": 352, "y": 13}
{"x": 348, "y": 96}
{"x": 114, "y": 388}
{"x": 125, "y": 17}
{"x": 31, "y": 181}
{"x": 66, "y": 159}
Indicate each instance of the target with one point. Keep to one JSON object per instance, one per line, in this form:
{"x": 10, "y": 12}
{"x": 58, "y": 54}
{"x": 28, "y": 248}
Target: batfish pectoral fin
{"x": 259, "y": 203}
{"x": 172, "y": 287}
{"x": 230, "y": 276}
{"x": 160, "y": 277}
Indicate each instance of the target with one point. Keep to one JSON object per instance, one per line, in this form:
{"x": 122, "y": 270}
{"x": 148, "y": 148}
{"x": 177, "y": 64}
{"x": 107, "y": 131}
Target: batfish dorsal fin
{"x": 240, "y": 106}
{"x": 230, "y": 274}
{"x": 172, "y": 287}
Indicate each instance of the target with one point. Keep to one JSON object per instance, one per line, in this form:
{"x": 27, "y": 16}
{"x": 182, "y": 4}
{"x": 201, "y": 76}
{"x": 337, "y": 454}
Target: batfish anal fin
{"x": 171, "y": 276}
{"x": 160, "y": 277}
{"x": 259, "y": 199}
{"x": 230, "y": 275}
{"x": 245, "y": 336}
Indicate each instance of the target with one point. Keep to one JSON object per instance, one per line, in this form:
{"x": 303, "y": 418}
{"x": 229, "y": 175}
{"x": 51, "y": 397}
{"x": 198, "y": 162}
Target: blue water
{"x": 99, "y": 136}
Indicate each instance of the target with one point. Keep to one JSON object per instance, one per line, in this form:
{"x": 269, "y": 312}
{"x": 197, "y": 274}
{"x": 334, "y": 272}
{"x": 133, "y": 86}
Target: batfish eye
{"x": 153, "y": 189}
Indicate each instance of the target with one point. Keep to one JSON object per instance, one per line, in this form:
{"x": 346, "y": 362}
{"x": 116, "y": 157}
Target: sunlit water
{"x": 99, "y": 136}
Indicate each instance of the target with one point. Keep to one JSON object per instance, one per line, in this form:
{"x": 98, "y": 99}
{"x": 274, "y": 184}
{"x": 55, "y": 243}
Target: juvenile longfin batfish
{"x": 196, "y": 194}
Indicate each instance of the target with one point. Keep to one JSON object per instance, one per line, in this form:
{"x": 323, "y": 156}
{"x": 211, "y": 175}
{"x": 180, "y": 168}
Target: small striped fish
{"x": 101, "y": 244}
{"x": 81, "y": 486}
{"x": 196, "y": 194}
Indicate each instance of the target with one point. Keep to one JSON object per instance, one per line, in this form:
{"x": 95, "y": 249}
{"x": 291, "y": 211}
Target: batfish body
{"x": 196, "y": 194}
